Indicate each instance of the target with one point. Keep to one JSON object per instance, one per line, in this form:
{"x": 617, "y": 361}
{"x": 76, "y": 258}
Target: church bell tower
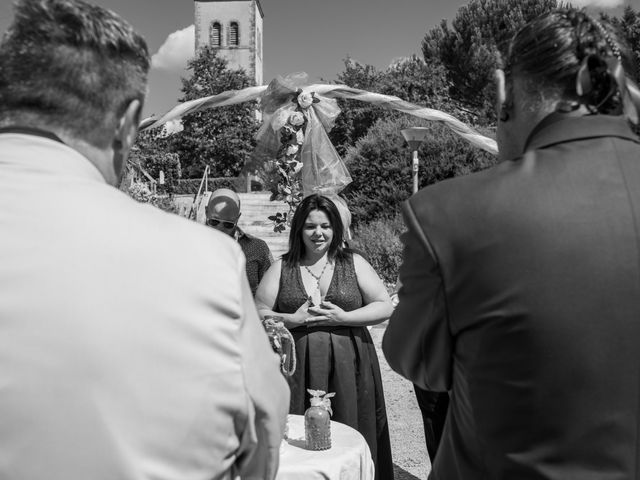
{"x": 234, "y": 27}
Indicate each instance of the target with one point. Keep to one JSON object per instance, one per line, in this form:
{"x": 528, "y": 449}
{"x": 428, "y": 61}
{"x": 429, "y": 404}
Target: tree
{"x": 381, "y": 168}
{"x": 222, "y": 138}
{"x": 415, "y": 81}
{"x": 629, "y": 26}
{"x": 470, "y": 48}
{"x": 410, "y": 79}
{"x": 355, "y": 117}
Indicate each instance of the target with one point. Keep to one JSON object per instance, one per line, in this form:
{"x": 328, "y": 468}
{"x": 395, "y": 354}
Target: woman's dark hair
{"x": 566, "y": 47}
{"x": 309, "y": 204}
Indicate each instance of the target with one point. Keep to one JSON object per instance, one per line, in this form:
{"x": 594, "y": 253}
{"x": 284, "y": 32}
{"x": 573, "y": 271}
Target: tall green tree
{"x": 222, "y": 138}
{"x": 469, "y": 49}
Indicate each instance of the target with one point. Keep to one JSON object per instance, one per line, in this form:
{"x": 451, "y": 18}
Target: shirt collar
{"x": 39, "y": 152}
{"x": 37, "y": 132}
{"x": 559, "y": 128}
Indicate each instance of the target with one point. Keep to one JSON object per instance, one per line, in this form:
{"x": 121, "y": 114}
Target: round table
{"x": 348, "y": 458}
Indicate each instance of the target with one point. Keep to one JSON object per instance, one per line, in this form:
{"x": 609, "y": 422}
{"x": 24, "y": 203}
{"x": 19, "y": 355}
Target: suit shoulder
{"x": 163, "y": 233}
{"x": 459, "y": 188}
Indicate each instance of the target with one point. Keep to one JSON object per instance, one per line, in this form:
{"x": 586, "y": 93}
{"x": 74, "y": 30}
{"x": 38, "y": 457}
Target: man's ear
{"x": 503, "y": 97}
{"x": 127, "y": 128}
{"x": 125, "y": 136}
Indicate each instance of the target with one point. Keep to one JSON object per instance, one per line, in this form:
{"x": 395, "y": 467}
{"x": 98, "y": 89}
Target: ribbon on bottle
{"x": 321, "y": 399}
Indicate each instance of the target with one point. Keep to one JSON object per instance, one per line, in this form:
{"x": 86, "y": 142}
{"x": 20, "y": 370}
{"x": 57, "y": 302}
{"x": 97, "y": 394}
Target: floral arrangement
{"x": 288, "y": 163}
{"x": 293, "y": 140}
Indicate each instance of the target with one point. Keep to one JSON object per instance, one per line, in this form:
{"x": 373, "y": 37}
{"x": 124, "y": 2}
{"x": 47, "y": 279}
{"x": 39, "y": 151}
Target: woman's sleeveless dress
{"x": 341, "y": 360}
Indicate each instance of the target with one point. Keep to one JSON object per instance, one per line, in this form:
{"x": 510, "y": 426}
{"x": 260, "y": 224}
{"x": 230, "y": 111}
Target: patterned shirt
{"x": 258, "y": 255}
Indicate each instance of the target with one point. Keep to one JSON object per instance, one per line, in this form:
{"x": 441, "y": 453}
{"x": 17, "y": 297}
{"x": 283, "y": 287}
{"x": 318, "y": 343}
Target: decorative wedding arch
{"x": 296, "y": 119}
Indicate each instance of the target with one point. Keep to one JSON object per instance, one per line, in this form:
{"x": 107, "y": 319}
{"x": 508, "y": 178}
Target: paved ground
{"x": 405, "y": 423}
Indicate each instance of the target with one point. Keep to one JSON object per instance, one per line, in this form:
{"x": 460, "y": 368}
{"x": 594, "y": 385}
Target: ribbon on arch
{"x": 323, "y": 170}
{"x": 234, "y": 97}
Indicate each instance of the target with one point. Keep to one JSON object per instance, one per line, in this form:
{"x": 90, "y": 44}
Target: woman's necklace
{"x": 317, "y": 278}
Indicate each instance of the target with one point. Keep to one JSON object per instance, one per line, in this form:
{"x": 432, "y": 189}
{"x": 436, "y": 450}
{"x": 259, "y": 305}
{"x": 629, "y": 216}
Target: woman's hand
{"x": 297, "y": 319}
{"x": 326, "y": 313}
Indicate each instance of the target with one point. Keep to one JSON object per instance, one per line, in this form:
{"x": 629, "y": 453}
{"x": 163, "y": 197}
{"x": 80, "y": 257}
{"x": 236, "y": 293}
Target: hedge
{"x": 379, "y": 241}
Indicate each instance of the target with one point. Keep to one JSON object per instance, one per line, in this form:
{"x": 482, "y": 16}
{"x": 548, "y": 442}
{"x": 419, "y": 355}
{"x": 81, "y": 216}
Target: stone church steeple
{"x": 235, "y": 28}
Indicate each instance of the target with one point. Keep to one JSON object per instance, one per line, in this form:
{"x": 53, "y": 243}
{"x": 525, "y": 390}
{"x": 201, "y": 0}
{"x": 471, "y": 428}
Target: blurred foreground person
{"x": 521, "y": 284}
{"x": 223, "y": 214}
{"x": 117, "y": 358}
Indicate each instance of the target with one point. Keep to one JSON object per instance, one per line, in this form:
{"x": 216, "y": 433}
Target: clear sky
{"x": 313, "y": 36}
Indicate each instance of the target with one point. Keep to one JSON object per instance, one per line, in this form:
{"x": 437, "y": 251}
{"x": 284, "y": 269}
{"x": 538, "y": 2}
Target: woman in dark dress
{"x": 327, "y": 296}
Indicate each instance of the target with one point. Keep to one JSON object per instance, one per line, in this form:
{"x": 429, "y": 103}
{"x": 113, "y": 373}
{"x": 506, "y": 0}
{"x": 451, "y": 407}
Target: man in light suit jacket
{"x": 129, "y": 348}
{"x": 521, "y": 284}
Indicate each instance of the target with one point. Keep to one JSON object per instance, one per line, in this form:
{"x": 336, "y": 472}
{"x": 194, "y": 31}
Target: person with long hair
{"x": 327, "y": 296}
{"x": 521, "y": 283}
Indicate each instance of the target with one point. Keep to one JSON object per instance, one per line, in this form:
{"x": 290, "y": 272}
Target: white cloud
{"x": 597, "y": 3}
{"x": 176, "y": 50}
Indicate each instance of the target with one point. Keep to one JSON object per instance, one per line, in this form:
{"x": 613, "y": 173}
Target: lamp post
{"x": 414, "y": 137}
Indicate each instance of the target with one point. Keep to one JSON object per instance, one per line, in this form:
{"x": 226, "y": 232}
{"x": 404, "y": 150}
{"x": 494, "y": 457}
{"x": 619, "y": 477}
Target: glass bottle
{"x": 317, "y": 425}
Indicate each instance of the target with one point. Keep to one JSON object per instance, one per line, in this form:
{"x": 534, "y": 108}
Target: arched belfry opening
{"x": 235, "y": 28}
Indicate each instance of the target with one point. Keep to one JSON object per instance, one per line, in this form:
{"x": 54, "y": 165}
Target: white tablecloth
{"x": 348, "y": 458}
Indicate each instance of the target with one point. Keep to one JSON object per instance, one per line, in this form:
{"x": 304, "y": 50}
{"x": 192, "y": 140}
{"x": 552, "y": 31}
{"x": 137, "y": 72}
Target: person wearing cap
{"x": 223, "y": 213}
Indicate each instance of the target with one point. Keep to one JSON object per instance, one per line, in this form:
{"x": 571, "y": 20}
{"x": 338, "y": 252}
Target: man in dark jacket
{"x": 521, "y": 284}
{"x": 223, "y": 213}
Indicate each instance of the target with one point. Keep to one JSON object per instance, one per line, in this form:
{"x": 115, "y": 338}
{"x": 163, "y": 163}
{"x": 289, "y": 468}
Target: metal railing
{"x": 197, "y": 198}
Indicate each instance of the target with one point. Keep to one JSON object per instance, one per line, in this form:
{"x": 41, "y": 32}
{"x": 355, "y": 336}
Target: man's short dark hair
{"x": 70, "y": 65}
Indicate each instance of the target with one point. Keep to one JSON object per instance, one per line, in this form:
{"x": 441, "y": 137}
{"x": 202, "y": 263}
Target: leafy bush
{"x": 380, "y": 165}
{"x": 169, "y": 164}
{"x": 191, "y": 185}
{"x": 151, "y": 154}
{"x": 141, "y": 192}
{"x": 380, "y": 244}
